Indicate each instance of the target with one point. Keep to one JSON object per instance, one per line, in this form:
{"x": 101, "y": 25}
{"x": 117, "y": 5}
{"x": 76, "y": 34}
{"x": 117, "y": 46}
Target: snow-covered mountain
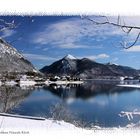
{"x": 86, "y": 68}
{"x": 13, "y": 61}
{"x": 69, "y": 56}
{"x": 67, "y": 65}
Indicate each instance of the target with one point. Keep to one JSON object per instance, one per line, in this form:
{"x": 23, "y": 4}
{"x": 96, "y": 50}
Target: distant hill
{"x": 87, "y": 69}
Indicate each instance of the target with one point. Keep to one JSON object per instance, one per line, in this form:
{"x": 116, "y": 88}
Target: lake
{"x": 92, "y": 103}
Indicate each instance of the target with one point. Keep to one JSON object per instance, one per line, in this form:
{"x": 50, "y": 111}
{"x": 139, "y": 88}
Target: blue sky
{"x": 45, "y": 39}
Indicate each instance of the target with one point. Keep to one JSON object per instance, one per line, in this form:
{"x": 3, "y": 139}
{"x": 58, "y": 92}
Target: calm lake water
{"x": 93, "y": 103}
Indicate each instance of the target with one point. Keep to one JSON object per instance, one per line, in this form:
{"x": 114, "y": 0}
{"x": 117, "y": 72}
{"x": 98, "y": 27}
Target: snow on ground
{"x": 130, "y": 85}
{"x": 69, "y": 56}
{"x": 9, "y": 121}
{"x": 64, "y": 82}
{"x": 58, "y": 129}
{"x": 13, "y": 123}
{"x": 27, "y": 83}
{"x": 32, "y": 83}
{"x": 10, "y": 83}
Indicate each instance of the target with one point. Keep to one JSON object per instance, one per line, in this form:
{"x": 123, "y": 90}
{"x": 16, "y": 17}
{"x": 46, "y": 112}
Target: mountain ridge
{"x": 87, "y": 69}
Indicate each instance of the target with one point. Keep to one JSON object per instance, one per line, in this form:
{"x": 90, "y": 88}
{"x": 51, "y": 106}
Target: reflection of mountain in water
{"x": 11, "y": 97}
{"x": 87, "y": 90}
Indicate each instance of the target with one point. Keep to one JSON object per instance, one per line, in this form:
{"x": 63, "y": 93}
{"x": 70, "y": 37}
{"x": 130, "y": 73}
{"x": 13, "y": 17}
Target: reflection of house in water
{"x": 10, "y": 97}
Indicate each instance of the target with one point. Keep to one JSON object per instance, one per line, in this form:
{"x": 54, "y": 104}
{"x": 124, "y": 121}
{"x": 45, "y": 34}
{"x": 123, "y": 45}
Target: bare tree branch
{"x": 111, "y": 23}
{"x": 127, "y": 47}
{"x": 125, "y": 28}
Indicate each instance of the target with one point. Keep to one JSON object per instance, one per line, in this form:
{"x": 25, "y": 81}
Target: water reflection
{"x": 87, "y": 90}
{"x": 10, "y": 97}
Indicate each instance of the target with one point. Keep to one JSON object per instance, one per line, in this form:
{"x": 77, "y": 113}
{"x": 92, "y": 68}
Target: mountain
{"x": 67, "y": 65}
{"x": 86, "y": 68}
{"x": 13, "y": 61}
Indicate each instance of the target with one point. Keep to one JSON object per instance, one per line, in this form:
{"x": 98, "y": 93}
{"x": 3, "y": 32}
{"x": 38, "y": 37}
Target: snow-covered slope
{"x": 69, "y": 56}
{"x": 5, "y": 48}
{"x": 13, "y": 61}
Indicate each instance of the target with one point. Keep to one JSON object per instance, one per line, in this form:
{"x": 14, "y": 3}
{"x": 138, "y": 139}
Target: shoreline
{"x": 34, "y": 83}
{"x": 61, "y": 82}
{"x": 130, "y": 85}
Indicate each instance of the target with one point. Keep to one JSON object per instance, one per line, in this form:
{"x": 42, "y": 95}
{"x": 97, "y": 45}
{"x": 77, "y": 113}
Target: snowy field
{"x": 32, "y": 123}
{"x": 18, "y": 127}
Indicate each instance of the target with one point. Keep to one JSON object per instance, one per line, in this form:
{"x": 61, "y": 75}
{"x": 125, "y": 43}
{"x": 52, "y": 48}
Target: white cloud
{"x": 70, "y": 33}
{"x": 100, "y": 56}
{"x": 133, "y": 49}
{"x": 72, "y": 46}
{"x": 7, "y": 33}
{"x": 95, "y": 57}
{"x": 38, "y": 57}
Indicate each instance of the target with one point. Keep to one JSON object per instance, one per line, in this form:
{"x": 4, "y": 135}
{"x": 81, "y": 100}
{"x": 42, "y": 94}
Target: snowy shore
{"x": 33, "y": 83}
{"x": 10, "y": 122}
{"x": 130, "y": 85}
{"x": 63, "y": 82}
{"x": 17, "y": 126}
